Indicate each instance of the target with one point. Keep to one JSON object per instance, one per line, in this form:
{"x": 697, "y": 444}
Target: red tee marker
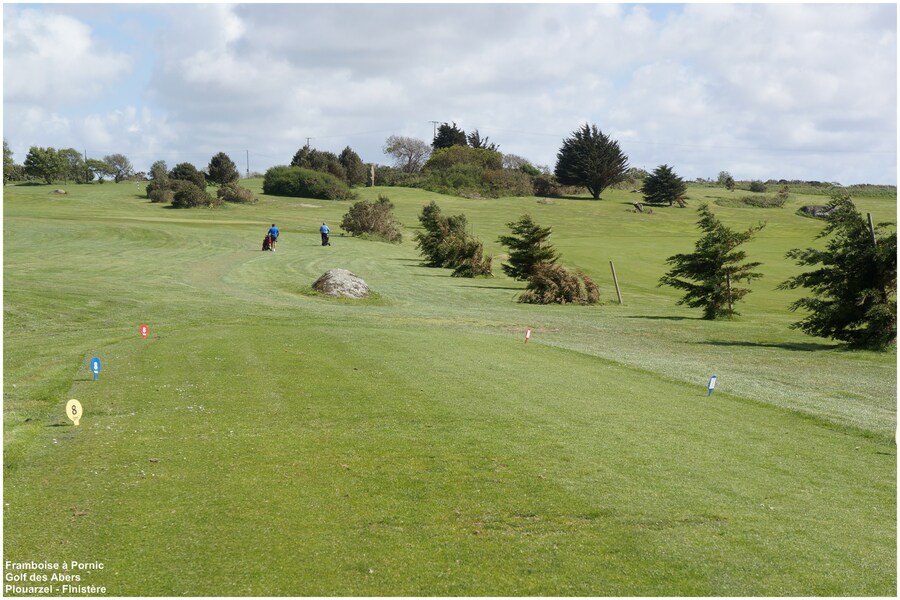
{"x": 144, "y": 331}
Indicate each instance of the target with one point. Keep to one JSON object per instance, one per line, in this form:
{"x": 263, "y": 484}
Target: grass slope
{"x": 263, "y": 441}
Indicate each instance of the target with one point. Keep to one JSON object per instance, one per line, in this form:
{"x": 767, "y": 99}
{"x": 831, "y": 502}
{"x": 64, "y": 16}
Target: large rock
{"x": 341, "y": 282}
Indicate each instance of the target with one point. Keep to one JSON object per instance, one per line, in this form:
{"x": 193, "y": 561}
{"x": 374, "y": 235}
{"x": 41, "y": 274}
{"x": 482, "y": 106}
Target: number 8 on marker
{"x": 74, "y": 411}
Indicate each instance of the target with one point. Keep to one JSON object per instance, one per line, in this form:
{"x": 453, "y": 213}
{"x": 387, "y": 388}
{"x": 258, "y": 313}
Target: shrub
{"x": 390, "y": 176}
{"x": 188, "y": 195}
{"x": 757, "y": 186}
{"x": 507, "y": 183}
{"x": 463, "y": 155}
{"x": 546, "y": 186}
{"x": 319, "y": 160}
{"x": 554, "y": 284}
{"x": 156, "y": 186}
{"x": 373, "y": 218}
{"x": 162, "y": 194}
{"x": 232, "y": 192}
{"x": 188, "y": 172}
{"x": 473, "y": 172}
{"x": 752, "y": 202}
{"x": 305, "y": 183}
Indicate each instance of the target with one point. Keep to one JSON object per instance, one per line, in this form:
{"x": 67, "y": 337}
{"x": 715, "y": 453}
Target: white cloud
{"x": 52, "y": 59}
{"x": 783, "y": 90}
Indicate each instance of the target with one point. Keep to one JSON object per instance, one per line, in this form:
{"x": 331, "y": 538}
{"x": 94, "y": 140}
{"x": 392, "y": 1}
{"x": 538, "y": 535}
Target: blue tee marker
{"x": 711, "y": 386}
{"x": 95, "y": 367}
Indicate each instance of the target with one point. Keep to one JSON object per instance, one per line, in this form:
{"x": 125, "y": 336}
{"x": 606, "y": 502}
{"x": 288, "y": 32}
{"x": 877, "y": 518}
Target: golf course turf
{"x": 264, "y": 440}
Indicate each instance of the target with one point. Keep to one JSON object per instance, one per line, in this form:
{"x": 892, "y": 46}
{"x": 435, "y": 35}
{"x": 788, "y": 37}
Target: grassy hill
{"x": 265, "y": 441}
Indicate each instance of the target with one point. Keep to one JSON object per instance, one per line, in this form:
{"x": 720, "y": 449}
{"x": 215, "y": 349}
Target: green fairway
{"x": 267, "y": 441}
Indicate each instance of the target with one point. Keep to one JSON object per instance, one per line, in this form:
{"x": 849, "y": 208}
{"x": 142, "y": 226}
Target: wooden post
{"x": 728, "y": 281}
{"x": 616, "y": 281}
{"x": 872, "y": 229}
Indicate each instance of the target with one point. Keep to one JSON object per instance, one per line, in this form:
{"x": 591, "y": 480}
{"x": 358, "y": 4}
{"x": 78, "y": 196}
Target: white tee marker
{"x": 527, "y": 335}
{"x": 711, "y": 386}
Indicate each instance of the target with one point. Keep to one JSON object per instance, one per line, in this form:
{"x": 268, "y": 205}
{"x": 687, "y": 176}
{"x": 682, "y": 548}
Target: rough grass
{"x": 397, "y": 446}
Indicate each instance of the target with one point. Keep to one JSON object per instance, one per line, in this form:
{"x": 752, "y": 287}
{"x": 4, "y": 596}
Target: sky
{"x": 763, "y": 91}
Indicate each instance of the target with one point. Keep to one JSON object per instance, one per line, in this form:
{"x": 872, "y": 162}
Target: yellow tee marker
{"x": 74, "y": 410}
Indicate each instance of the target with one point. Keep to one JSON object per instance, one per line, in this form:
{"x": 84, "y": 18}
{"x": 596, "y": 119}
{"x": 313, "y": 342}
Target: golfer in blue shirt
{"x": 324, "y": 231}
{"x": 273, "y": 231}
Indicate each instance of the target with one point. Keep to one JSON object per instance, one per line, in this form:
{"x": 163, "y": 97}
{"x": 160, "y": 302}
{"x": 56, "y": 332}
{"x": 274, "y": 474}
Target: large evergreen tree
{"x": 449, "y": 135}
{"x": 353, "y": 167}
{"x": 528, "y": 248}
{"x": 222, "y": 170}
{"x": 591, "y": 159}
{"x": 663, "y": 185}
{"x": 709, "y": 274}
{"x": 855, "y": 283}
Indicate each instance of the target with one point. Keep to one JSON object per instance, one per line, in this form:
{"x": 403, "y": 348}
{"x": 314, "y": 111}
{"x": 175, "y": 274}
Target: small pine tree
{"x": 222, "y": 170}
{"x": 528, "y": 247}
{"x": 445, "y": 243}
{"x": 715, "y": 265}
{"x": 855, "y": 284}
{"x": 663, "y": 185}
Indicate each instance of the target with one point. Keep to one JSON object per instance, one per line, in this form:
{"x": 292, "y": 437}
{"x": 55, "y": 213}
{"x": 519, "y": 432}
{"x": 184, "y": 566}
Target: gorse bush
{"x": 305, "y": 183}
{"x": 752, "y": 202}
{"x": 375, "y": 219}
{"x": 757, "y": 186}
{"x": 473, "y": 172}
{"x": 554, "y": 284}
{"x": 188, "y": 195}
{"x": 232, "y": 192}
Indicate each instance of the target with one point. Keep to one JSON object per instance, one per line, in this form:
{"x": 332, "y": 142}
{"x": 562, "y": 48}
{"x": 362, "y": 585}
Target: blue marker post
{"x": 711, "y": 386}
{"x": 95, "y": 367}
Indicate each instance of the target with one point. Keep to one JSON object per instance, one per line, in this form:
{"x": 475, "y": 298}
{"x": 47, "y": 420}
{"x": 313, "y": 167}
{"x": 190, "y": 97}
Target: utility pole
{"x": 434, "y": 129}
{"x": 248, "y": 164}
{"x": 872, "y": 229}
{"x": 307, "y": 142}
{"x": 87, "y": 170}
